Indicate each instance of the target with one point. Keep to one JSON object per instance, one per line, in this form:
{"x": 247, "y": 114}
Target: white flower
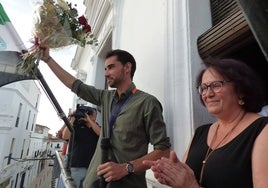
{"x": 63, "y": 4}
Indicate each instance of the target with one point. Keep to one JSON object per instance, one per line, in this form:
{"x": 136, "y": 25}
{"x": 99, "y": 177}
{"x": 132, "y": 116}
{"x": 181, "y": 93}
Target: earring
{"x": 241, "y": 102}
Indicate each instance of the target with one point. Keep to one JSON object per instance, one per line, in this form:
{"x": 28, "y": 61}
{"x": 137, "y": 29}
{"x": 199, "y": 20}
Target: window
{"x": 10, "y": 151}
{"x": 18, "y": 115}
{"x": 28, "y": 119}
{"x": 33, "y": 123}
{"x": 21, "y": 155}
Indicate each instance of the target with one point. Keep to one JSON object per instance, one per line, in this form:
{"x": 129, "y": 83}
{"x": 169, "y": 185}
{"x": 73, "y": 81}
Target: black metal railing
{"x": 61, "y": 176}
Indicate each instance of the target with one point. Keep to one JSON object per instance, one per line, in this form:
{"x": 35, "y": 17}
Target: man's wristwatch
{"x": 130, "y": 168}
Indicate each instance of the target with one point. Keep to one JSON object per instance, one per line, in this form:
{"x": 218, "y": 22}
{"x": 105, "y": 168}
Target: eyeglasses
{"x": 215, "y": 86}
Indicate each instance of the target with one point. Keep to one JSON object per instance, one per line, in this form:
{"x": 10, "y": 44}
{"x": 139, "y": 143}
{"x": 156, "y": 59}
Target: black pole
{"x": 60, "y": 111}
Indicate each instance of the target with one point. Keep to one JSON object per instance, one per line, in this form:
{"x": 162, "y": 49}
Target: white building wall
{"x": 139, "y": 27}
{"x": 15, "y": 128}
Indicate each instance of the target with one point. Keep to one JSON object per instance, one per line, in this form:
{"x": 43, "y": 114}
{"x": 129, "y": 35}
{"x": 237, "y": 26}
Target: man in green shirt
{"x": 131, "y": 120}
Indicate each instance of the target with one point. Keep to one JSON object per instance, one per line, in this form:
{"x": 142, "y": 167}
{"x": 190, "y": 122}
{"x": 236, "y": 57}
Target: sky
{"x": 20, "y": 12}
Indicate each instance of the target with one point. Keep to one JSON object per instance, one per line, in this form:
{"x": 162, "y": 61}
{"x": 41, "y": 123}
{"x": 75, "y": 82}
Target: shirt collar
{"x": 126, "y": 93}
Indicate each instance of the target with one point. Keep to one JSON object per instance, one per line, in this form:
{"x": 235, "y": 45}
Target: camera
{"x": 80, "y": 112}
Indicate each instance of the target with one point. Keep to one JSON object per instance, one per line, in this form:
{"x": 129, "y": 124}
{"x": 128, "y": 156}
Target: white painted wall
{"x": 139, "y": 27}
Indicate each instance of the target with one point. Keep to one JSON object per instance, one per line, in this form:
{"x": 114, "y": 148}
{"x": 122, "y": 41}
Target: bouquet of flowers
{"x": 56, "y": 24}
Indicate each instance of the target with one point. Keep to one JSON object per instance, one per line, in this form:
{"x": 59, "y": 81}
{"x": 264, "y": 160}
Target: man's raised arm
{"x": 66, "y": 78}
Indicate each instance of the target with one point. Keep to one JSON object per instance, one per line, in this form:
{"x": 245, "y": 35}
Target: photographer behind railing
{"x": 86, "y": 135}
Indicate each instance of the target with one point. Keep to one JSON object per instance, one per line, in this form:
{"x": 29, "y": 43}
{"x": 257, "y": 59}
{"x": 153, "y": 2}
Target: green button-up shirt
{"x": 139, "y": 123}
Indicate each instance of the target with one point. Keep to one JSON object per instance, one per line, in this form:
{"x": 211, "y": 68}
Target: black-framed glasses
{"x": 215, "y": 86}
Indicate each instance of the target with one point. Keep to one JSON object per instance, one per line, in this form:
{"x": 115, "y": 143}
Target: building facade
{"x": 19, "y": 108}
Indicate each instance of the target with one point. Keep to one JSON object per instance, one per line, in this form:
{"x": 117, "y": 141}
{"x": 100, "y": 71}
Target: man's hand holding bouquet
{"x": 56, "y": 25}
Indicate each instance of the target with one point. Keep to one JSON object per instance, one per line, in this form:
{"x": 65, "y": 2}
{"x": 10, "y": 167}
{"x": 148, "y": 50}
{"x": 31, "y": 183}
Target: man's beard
{"x": 115, "y": 82}
{"x": 112, "y": 84}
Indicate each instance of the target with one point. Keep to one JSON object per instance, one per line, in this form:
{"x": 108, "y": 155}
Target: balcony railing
{"x": 61, "y": 177}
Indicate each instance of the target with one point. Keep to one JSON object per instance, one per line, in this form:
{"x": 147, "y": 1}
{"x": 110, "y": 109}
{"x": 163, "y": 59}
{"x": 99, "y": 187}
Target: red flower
{"x": 88, "y": 28}
{"x": 82, "y": 20}
{"x": 36, "y": 41}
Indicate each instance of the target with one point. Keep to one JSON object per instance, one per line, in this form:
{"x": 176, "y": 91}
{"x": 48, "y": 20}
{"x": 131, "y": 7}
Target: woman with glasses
{"x": 233, "y": 151}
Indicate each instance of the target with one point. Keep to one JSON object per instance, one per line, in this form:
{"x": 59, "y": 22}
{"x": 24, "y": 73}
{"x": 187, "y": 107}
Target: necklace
{"x": 210, "y": 150}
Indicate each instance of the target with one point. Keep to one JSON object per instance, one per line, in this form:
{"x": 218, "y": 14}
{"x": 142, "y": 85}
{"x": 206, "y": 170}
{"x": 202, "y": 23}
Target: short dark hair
{"x": 124, "y": 57}
{"x": 246, "y": 82}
